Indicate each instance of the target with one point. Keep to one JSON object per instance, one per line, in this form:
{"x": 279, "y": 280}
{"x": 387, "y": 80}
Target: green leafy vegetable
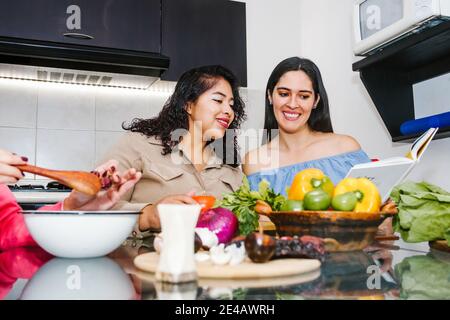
{"x": 424, "y": 212}
{"x": 242, "y": 202}
{"x": 423, "y": 277}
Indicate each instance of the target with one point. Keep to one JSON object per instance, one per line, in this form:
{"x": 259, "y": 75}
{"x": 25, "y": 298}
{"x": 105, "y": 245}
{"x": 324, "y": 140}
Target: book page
{"x": 420, "y": 144}
{"x": 385, "y": 177}
{"x": 393, "y": 160}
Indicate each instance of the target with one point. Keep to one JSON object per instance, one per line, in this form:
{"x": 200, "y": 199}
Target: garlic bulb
{"x": 218, "y": 255}
{"x": 202, "y": 256}
{"x": 209, "y": 239}
{"x": 237, "y": 254}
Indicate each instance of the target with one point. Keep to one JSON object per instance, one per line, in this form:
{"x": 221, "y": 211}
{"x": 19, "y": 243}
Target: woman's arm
{"x": 149, "y": 218}
{"x": 119, "y": 184}
{"x": 13, "y": 232}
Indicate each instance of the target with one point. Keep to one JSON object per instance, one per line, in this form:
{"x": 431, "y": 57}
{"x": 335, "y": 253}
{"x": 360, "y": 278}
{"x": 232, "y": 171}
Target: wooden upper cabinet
{"x": 120, "y": 24}
{"x": 203, "y": 32}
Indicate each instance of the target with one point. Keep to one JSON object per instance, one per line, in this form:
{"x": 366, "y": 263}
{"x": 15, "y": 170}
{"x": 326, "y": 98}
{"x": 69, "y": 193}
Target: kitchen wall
{"x": 71, "y": 126}
{"x": 66, "y": 126}
{"x": 273, "y": 33}
{"x": 322, "y": 31}
{"x": 326, "y": 37}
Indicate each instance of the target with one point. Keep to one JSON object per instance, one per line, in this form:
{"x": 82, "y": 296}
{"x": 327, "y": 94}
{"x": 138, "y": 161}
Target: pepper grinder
{"x": 177, "y": 260}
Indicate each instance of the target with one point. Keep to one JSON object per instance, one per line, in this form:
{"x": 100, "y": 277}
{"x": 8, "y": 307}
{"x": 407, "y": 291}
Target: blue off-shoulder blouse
{"x": 336, "y": 167}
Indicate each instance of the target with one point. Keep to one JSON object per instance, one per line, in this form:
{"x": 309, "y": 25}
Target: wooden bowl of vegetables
{"x": 341, "y": 230}
{"x": 347, "y": 216}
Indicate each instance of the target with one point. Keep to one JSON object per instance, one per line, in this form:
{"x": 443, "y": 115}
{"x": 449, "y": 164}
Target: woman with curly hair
{"x": 189, "y": 148}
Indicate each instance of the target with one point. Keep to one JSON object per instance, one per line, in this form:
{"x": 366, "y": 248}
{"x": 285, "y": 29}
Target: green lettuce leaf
{"x": 424, "y": 211}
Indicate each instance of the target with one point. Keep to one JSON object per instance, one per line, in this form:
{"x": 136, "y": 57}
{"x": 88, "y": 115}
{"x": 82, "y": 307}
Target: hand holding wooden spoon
{"x": 81, "y": 181}
{"x": 116, "y": 183}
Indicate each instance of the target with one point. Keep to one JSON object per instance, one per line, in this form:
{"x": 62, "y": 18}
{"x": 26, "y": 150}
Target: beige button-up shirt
{"x": 163, "y": 175}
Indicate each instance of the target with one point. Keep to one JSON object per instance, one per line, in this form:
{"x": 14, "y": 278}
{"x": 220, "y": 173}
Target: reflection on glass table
{"x": 79, "y": 279}
{"x": 402, "y": 272}
{"x": 342, "y": 276}
{"x": 425, "y": 276}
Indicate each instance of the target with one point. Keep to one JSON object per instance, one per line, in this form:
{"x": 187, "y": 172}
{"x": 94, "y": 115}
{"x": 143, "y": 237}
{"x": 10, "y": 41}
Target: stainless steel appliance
{"x": 33, "y": 195}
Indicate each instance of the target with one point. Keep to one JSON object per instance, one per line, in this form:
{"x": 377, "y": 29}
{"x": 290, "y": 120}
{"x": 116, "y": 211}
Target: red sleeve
{"x": 13, "y": 232}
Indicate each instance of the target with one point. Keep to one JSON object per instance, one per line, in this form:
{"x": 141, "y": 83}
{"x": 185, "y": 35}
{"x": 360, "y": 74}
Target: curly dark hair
{"x": 191, "y": 85}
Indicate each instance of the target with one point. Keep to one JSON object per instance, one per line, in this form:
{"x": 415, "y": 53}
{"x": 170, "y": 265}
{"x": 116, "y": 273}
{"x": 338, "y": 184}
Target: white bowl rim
{"x": 77, "y": 212}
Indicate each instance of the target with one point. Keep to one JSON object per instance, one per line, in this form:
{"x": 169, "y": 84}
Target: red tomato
{"x": 206, "y": 202}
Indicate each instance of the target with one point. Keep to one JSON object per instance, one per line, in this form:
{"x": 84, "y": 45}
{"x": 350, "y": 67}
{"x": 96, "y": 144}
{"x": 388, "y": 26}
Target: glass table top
{"x": 388, "y": 271}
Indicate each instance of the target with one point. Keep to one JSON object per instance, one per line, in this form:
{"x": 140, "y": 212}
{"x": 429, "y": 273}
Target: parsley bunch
{"x": 242, "y": 202}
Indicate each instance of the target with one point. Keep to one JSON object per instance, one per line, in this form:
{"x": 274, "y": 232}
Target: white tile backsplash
{"x": 68, "y": 127}
{"x": 65, "y": 149}
{"x": 18, "y": 106}
{"x": 66, "y": 109}
{"x": 156, "y": 104}
{"x": 111, "y": 110}
{"x": 21, "y": 141}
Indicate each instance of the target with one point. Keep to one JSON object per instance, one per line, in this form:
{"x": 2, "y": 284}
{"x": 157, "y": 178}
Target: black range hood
{"x": 71, "y": 63}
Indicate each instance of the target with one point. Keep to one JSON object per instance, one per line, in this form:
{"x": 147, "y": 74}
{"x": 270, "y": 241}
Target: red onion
{"x": 220, "y": 221}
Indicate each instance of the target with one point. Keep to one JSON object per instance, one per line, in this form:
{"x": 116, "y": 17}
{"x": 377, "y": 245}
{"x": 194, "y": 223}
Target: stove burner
{"x": 52, "y": 186}
{"x": 27, "y": 187}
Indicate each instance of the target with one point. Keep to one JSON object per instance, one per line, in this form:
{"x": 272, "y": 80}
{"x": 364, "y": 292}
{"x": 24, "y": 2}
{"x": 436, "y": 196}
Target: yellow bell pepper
{"x": 308, "y": 180}
{"x": 369, "y": 199}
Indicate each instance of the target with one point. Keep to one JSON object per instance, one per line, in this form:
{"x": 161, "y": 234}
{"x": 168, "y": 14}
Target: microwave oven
{"x": 378, "y": 23}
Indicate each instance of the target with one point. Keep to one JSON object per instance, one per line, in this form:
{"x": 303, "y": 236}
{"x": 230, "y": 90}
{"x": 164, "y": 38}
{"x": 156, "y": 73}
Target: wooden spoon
{"x": 84, "y": 182}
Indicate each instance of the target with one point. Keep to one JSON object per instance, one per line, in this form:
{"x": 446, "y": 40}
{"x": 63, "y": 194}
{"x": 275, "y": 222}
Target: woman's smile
{"x": 224, "y": 122}
{"x": 291, "y": 116}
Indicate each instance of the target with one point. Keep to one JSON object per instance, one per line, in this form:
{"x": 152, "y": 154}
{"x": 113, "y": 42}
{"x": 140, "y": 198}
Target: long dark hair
{"x": 191, "y": 85}
{"x": 319, "y": 119}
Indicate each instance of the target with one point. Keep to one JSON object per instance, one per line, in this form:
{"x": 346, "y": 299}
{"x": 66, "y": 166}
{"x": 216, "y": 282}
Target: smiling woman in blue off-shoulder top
{"x": 297, "y": 109}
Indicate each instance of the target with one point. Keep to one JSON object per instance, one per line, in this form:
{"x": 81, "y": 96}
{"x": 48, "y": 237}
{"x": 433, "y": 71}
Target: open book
{"x": 387, "y": 173}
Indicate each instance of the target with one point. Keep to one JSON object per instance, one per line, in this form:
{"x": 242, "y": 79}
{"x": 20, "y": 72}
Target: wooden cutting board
{"x": 243, "y": 283}
{"x": 246, "y": 270}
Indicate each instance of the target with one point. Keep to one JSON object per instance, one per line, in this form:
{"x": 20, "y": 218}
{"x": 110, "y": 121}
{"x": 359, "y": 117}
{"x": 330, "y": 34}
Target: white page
{"x": 389, "y": 161}
{"x": 384, "y": 177}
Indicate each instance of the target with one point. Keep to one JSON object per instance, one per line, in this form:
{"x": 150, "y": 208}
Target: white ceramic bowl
{"x": 80, "y": 234}
{"x": 79, "y": 279}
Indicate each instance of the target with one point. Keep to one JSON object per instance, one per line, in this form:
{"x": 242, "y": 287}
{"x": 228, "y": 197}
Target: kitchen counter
{"x": 384, "y": 271}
